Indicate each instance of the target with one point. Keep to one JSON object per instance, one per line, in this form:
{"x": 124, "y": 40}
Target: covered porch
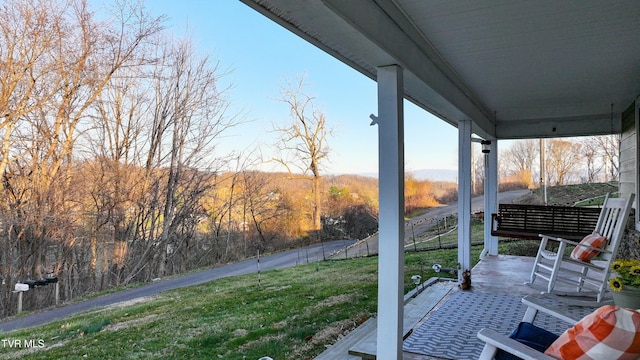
{"x": 493, "y": 302}
{"x": 496, "y": 70}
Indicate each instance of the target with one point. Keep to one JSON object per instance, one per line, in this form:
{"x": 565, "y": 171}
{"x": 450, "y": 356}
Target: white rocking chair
{"x": 494, "y": 340}
{"x": 606, "y": 332}
{"x": 555, "y": 266}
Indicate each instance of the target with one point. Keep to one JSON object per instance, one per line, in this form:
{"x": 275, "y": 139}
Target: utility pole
{"x": 543, "y": 165}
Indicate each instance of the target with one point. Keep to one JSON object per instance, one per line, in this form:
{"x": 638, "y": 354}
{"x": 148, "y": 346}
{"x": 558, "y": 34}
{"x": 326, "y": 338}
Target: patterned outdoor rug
{"x": 450, "y": 332}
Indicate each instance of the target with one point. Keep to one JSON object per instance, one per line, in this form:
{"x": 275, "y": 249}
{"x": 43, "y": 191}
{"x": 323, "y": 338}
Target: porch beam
{"x": 600, "y": 124}
{"x": 391, "y": 214}
{"x": 391, "y": 30}
{"x": 464, "y": 196}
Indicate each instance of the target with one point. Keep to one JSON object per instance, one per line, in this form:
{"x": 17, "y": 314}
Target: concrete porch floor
{"x": 501, "y": 274}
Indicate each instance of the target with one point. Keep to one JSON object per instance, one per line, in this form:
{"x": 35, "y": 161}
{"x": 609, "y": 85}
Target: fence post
{"x": 19, "y": 302}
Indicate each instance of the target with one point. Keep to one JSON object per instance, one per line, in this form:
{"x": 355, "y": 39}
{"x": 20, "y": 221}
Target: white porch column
{"x": 391, "y": 214}
{"x": 464, "y": 196}
{"x": 490, "y": 198}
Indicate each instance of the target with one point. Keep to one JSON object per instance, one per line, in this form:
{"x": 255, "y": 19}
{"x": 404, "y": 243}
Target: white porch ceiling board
{"x": 588, "y": 125}
{"x": 538, "y": 59}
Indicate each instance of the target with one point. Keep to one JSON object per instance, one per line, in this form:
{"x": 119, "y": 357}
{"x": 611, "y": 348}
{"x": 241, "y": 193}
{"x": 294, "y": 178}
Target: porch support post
{"x": 391, "y": 214}
{"x": 464, "y": 196}
{"x": 490, "y": 198}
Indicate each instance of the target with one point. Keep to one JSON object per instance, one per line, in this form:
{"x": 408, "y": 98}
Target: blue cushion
{"x": 530, "y": 335}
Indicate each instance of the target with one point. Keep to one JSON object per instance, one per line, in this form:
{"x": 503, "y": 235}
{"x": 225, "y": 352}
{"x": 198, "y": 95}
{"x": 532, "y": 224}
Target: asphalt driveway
{"x": 275, "y": 261}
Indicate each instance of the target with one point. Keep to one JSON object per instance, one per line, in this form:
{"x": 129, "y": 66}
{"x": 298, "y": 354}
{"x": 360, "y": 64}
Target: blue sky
{"x": 260, "y": 55}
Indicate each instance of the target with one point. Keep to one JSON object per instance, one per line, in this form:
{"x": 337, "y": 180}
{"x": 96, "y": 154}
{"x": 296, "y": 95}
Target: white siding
{"x": 629, "y": 154}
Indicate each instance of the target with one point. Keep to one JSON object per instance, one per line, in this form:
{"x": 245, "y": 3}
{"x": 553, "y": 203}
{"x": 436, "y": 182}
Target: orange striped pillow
{"x": 585, "y": 254}
{"x": 608, "y": 333}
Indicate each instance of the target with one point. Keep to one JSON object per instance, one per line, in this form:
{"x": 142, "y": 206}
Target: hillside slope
{"x": 568, "y": 195}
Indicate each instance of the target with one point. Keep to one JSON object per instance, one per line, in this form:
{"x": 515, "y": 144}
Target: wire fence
{"x": 442, "y": 233}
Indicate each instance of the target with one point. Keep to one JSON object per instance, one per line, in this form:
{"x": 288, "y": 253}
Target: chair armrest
{"x": 557, "y": 239}
{"x": 494, "y": 340}
{"x": 571, "y": 242}
{"x": 535, "y": 302}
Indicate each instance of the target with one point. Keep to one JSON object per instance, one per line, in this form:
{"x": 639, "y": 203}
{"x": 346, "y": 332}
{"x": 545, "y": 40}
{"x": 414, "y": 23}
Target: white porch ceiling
{"x": 517, "y": 69}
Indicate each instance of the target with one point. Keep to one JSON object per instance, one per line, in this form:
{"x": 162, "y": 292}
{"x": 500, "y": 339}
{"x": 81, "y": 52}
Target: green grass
{"x": 578, "y": 194}
{"x": 443, "y": 236}
{"x": 293, "y": 314}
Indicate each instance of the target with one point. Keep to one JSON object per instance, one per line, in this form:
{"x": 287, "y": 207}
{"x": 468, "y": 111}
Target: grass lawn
{"x": 293, "y": 313}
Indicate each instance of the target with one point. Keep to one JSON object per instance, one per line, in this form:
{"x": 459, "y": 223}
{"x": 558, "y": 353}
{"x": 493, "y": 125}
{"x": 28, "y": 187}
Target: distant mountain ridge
{"x": 447, "y": 175}
{"x": 436, "y": 174}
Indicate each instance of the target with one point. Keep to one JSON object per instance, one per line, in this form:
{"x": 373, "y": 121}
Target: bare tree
{"x": 27, "y": 36}
{"x": 563, "y": 157}
{"x": 188, "y": 115}
{"x": 264, "y": 208}
{"x": 418, "y": 194}
{"x": 59, "y": 59}
{"x": 610, "y": 146}
{"x": 520, "y": 159}
{"x": 120, "y": 117}
{"x": 303, "y": 143}
{"x": 238, "y": 205}
{"x": 593, "y": 157}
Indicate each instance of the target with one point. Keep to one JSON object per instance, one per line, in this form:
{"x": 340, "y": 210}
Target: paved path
{"x": 275, "y": 261}
{"x": 422, "y": 223}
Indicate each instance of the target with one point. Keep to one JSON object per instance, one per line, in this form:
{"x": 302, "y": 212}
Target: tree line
{"x": 564, "y": 161}
{"x": 108, "y": 129}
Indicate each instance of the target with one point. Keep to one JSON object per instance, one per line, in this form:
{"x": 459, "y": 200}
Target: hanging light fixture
{"x": 486, "y": 146}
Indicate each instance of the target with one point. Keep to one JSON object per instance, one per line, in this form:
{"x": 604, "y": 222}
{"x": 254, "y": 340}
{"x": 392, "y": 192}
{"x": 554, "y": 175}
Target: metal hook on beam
{"x": 374, "y": 120}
